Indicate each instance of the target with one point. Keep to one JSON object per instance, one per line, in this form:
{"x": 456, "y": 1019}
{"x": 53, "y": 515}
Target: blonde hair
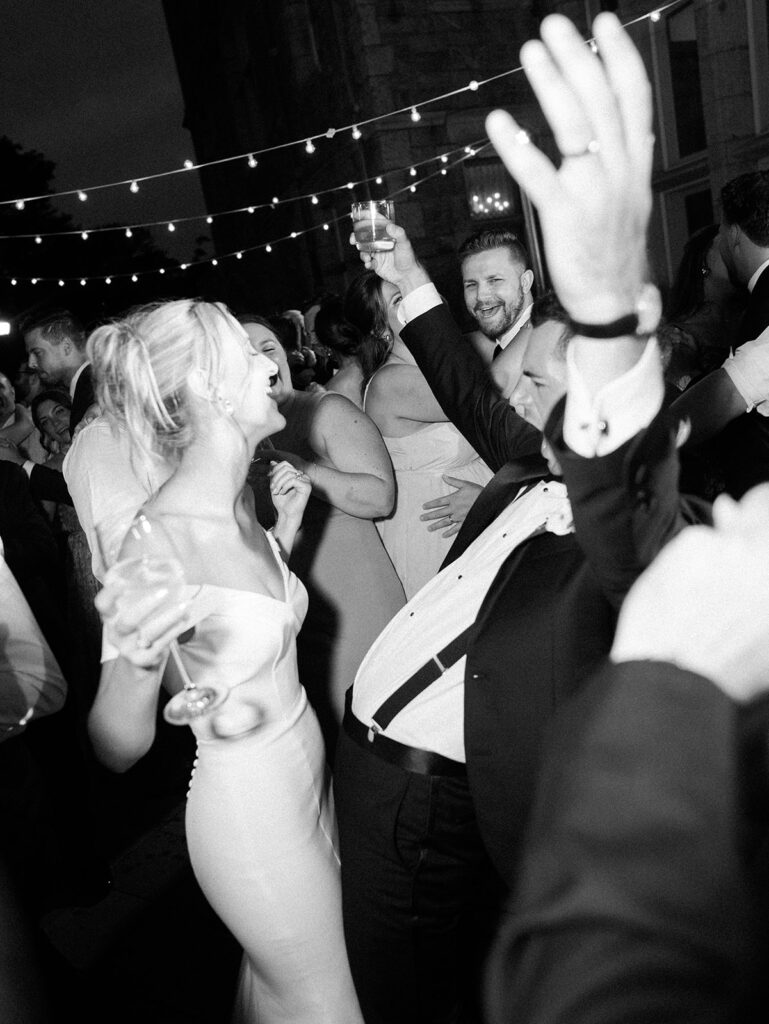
{"x": 141, "y": 365}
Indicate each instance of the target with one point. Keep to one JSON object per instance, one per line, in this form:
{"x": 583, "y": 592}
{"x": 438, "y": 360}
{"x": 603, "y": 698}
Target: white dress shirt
{"x": 450, "y": 602}
{"x": 748, "y": 370}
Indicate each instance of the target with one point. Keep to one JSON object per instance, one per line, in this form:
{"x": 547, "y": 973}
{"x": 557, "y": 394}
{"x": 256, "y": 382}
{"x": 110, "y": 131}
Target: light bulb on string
{"x": 444, "y": 158}
{"x": 472, "y": 86}
{"x": 275, "y": 200}
{"x": 252, "y": 161}
{"x": 238, "y": 255}
{"x": 34, "y": 280}
{"x": 214, "y": 263}
{"x": 325, "y": 227}
{"x": 61, "y": 283}
{"x": 162, "y": 270}
{"x": 356, "y": 132}
{"x": 188, "y": 165}
{"x": 134, "y": 187}
{"x": 293, "y": 234}
{"x": 412, "y": 188}
{"x": 444, "y": 171}
{"x": 378, "y": 181}
{"x": 38, "y": 240}
{"x": 13, "y": 281}
{"x": 330, "y": 133}
{"x": 134, "y": 278}
{"x": 84, "y": 235}
{"x": 19, "y": 204}
{"x": 314, "y": 200}
{"x": 82, "y": 196}
{"x": 171, "y": 226}
{"x": 268, "y": 248}
{"x": 350, "y": 184}
{"x": 82, "y": 282}
{"x": 108, "y": 280}
{"x": 309, "y": 146}
{"x": 415, "y": 115}
{"x": 413, "y": 172}
{"x": 209, "y": 220}
{"x": 129, "y": 233}
{"x": 182, "y": 266}
{"x": 655, "y": 16}
{"x": 250, "y": 209}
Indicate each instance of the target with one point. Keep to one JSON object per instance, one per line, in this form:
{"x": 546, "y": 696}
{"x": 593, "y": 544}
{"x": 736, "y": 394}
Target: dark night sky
{"x": 92, "y": 85}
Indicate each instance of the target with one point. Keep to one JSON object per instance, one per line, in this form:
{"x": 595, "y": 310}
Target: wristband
{"x": 642, "y": 322}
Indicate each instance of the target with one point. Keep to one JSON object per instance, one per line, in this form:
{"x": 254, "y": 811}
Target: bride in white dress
{"x": 182, "y": 380}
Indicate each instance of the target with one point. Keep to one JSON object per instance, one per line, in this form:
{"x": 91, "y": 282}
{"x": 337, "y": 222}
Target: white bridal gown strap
{"x": 260, "y": 817}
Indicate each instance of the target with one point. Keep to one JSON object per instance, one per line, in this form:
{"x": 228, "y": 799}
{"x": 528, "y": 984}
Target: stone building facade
{"x": 256, "y": 75}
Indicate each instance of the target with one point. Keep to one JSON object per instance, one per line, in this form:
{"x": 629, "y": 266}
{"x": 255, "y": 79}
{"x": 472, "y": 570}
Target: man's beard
{"x": 494, "y": 330}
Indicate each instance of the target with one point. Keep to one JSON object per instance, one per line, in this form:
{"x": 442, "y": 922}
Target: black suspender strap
{"x": 420, "y": 680}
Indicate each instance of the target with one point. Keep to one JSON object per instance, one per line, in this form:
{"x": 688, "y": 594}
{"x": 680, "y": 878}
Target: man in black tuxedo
{"x": 56, "y": 351}
{"x": 441, "y": 741}
{"x": 638, "y": 895}
{"x": 742, "y": 448}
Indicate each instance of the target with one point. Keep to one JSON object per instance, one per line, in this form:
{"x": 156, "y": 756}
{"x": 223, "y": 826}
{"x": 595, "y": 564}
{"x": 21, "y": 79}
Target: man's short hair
{"x": 548, "y": 308}
{"x": 494, "y": 238}
{"x": 57, "y": 326}
{"x": 745, "y": 202}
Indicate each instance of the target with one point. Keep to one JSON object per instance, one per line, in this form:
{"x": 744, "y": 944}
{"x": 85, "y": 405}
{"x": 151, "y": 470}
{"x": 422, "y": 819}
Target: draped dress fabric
{"x": 353, "y": 588}
{"x": 260, "y": 818}
{"x": 420, "y": 461}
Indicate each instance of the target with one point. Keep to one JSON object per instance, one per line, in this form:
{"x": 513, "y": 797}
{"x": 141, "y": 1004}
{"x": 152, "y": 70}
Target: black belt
{"x": 411, "y": 759}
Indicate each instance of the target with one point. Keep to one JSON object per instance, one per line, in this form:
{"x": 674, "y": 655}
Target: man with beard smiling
{"x": 497, "y": 282}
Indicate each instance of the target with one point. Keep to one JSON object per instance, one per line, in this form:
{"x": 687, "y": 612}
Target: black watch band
{"x": 616, "y": 329}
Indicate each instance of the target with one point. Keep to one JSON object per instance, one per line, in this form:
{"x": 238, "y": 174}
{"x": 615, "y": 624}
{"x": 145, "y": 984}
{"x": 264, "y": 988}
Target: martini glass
{"x": 141, "y": 558}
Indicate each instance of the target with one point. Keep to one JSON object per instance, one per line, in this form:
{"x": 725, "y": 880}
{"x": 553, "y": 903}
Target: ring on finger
{"x": 593, "y": 147}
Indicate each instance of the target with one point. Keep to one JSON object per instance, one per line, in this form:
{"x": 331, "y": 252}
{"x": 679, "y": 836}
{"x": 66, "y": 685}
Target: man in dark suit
{"x": 55, "y": 346}
{"x": 742, "y": 448}
{"x": 441, "y": 742}
{"x": 637, "y": 897}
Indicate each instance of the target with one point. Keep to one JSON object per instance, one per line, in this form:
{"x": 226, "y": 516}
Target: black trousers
{"x": 421, "y": 900}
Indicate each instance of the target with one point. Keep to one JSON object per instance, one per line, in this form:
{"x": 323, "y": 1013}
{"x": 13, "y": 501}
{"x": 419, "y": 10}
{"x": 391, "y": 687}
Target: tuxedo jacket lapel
{"x": 495, "y": 496}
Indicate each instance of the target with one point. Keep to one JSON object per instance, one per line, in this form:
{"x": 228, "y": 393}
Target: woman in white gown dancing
{"x": 184, "y": 382}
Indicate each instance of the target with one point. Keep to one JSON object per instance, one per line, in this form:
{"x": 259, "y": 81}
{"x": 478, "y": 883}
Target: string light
{"x": 209, "y": 220}
{"x": 238, "y": 255}
{"x": 444, "y": 158}
{"x": 34, "y": 280}
{"x": 134, "y": 187}
{"x": 61, "y": 283}
{"x": 84, "y": 235}
{"x": 19, "y": 204}
{"x": 162, "y": 270}
{"x": 252, "y": 161}
{"x": 309, "y": 146}
{"x": 250, "y": 209}
{"x": 108, "y": 280}
{"x": 82, "y": 282}
{"x": 171, "y": 226}
{"x": 134, "y": 278}
{"x": 350, "y": 184}
{"x": 38, "y": 240}
{"x": 129, "y": 233}
{"x": 275, "y": 199}
{"x": 188, "y": 165}
{"x": 413, "y": 172}
{"x": 214, "y": 263}
{"x": 314, "y": 200}
{"x": 356, "y": 132}
{"x": 268, "y": 246}
{"x": 13, "y": 280}
{"x": 378, "y": 180}
{"x": 472, "y": 86}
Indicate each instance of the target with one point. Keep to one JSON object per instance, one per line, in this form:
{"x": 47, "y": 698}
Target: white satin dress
{"x": 260, "y": 818}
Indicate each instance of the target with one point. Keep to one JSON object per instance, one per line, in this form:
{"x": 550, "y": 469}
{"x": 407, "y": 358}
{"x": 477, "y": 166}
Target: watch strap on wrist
{"x": 641, "y": 322}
